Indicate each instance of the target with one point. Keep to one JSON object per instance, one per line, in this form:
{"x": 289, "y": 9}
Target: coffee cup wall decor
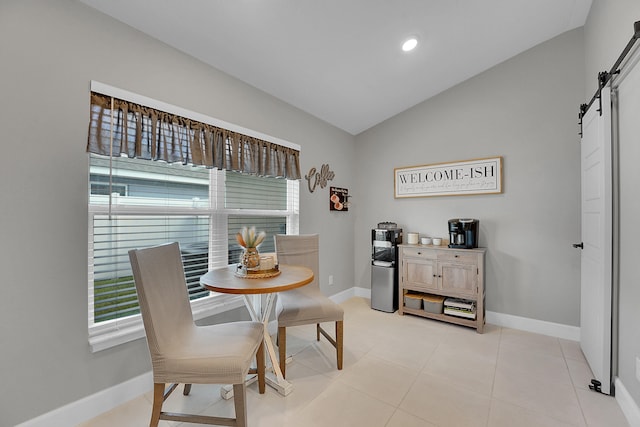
{"x": 338, "y": 199}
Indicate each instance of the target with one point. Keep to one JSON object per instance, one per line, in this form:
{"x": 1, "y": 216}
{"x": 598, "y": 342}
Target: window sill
{"x": 121, "y": 331}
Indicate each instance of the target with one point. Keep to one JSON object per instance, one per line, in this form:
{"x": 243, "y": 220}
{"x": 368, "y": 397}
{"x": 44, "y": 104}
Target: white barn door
{"x": 596, "y": 259}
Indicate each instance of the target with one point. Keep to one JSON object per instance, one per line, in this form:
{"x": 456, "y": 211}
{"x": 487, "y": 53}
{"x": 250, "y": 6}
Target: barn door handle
{"x": 578, "y": 245}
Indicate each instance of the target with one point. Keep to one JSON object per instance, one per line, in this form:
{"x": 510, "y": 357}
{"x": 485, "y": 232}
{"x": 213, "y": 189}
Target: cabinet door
{"x": 419, "y": 272}
{"x": 459, "y": 279}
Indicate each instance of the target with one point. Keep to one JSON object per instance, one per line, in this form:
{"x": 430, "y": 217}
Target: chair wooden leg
{"x": 260, "y": 364}
{"x": 339, "y": 342}
{"x": 239, "y": 401}
{"x": 187, "y": 389}
{"x": 282, "y": 348}
{"x": 158, "y": 398}
{"x": 317, "y": 331}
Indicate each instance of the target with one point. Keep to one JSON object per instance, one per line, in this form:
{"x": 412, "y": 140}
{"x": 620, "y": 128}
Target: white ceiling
{"x": 340, "y": 60}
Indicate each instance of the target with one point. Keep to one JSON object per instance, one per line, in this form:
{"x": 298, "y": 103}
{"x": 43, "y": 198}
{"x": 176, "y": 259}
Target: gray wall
{"x": 524, "y": 109}
{"x": 608, "y": 29}
{"x": 49, "y": 52}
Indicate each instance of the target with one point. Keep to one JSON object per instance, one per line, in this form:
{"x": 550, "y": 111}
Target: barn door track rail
{"x": 605, "y": 76}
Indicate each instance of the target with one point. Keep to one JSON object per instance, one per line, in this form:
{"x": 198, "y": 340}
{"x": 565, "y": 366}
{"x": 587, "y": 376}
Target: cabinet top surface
{"x": 442, "y": 248}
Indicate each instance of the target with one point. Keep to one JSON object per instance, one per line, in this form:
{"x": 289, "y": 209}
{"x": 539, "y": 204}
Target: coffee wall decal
{"x": 315, "y": 178}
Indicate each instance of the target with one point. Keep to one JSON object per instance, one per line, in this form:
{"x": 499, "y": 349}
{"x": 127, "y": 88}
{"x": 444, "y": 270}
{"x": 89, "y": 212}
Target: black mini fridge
{"x": 384, "y": 266}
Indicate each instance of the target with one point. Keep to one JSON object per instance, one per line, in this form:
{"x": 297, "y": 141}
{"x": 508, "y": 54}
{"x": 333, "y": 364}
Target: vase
{"x": 250, "y": 258}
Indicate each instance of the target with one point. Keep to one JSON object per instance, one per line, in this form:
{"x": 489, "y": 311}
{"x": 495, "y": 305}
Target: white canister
{"x": 412, "y": 238}
{"x": 266, "y": 262}
{"x": 436, "y": 241}
{"x": 425, "y": 240}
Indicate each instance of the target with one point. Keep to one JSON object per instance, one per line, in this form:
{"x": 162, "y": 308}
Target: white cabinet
{"x": 447, "y": 272}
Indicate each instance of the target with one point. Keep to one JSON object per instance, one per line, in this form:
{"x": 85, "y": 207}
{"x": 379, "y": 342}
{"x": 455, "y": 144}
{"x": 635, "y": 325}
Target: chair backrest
{"x": 162, "y": 294}
{"x": 303, "y": 249}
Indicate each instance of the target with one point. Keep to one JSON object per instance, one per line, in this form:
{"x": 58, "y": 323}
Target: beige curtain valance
{"x": 120, "y": 127}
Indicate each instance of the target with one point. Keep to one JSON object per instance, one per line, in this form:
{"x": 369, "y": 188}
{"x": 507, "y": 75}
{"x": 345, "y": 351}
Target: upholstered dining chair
{"x": 305, "y": 305}
{"x": 181, "y": 351}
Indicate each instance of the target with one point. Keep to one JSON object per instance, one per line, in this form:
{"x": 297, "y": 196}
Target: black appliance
{"x": 384, "y": 273}
{"x": 463, "y": 233}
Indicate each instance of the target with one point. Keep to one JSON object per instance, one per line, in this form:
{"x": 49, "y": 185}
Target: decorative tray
{"x": 257, "y": 274}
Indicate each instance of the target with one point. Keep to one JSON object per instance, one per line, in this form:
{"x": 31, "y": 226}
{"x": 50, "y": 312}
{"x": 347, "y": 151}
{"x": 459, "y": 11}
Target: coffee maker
{"x": 463, "y": 233}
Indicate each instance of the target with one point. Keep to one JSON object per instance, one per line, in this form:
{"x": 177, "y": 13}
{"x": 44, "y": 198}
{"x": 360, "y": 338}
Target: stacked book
{"x": 460, "y": 308}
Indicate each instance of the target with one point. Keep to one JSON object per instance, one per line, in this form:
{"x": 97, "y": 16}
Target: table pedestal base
{"x": 261, "y": 314}
{"x": 284, "y": 387}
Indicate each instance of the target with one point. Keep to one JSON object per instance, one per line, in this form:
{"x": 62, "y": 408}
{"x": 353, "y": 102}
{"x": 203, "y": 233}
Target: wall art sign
{"x": 477, "y": 176}
{"x": 338, "y": 199}
{"x": 315, "y": 178}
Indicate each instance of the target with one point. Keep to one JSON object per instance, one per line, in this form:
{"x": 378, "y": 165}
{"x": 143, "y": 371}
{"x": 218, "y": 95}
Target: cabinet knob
{"x": 456, "y": 255}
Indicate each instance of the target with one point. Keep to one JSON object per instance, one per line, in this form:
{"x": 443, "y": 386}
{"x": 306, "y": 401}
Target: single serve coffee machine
{"x": 463, "y": 233}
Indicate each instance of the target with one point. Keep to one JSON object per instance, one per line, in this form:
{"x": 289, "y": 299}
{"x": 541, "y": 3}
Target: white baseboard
{"x": 362, "y": 292}
{"x": 341, "y": 297}
{"x": 91, "y": 406}
{"x": 532, "y": 325}
{"x": 629, "y": 407}
{"x": 95, "y": 404}
{"x": 505, "y": 320}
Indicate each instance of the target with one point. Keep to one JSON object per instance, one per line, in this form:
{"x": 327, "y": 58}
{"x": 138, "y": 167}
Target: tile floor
{"x": 406, "y": 371}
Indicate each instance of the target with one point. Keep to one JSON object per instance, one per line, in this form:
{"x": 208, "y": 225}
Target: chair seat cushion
{"x": 304, "y": 306}
{"x": 215, "y": 354}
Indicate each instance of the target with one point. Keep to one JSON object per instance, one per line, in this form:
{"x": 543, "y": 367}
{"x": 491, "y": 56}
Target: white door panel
{"x": 596, "y": 259}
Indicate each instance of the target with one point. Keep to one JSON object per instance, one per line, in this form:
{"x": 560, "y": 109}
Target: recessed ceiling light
{"x": 410, "y": 44}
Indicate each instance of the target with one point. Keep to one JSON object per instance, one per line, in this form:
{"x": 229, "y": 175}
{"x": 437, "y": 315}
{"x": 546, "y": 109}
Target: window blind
{"x": 113, "y": 236}
{"x": 152, "y": 203}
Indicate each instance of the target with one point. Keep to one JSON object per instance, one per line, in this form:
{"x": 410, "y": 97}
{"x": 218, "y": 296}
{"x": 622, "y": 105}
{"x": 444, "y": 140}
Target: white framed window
{"x": 138, "y": 202}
